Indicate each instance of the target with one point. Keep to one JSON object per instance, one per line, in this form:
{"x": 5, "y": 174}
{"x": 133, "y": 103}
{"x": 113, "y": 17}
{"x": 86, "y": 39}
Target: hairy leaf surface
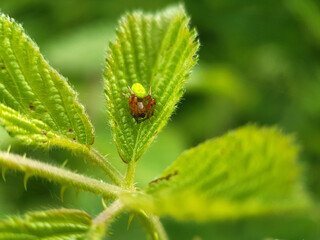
{"x": 156, "y": 50}
{"x": 62, "y": 224}
{"x": 249, "y": 171}
{"x": 36, "y": 103}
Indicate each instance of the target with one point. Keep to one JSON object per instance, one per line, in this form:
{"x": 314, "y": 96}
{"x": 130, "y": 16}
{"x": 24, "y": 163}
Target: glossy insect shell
{"x": 141, "y": 108}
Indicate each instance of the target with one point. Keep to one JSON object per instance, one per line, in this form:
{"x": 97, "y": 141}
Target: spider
{"x": 141, "y": 105}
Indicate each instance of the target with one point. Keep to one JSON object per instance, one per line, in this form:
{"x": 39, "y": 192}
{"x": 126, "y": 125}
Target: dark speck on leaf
{"x": 169, "y": 48}
{"x": 93, "y": 140}
{"x": 44, "y": 132}
{"x": 70, "y": 130}
{"x": 175, "y": 173}
{"x": 73, "y": 139}
{"x": 32, "y": 108}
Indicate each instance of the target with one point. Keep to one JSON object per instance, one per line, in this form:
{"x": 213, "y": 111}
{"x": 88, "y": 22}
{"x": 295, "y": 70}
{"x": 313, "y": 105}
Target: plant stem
{"x": 111, "y": 171}
{"x": 93, "y": 155}
{"x": 109, "y": 213}
{"x": 64, "y": 177}
{"x": 153, "y": 226}
{"x": 100, "y": 223}
{"x": 129, "y": 179}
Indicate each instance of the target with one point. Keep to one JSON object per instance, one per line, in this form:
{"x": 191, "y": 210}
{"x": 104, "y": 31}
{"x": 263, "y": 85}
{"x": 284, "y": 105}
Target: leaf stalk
{"x": 64, "y": 177}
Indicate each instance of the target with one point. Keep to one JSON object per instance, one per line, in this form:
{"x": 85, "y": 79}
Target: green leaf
{"x": 36, "y": 103}
{"x": 249, "y": 171}
{"x": 62, "y": 224}
{"x": 156, "y": 50}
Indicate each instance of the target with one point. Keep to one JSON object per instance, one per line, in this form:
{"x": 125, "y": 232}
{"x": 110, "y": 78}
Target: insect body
{"x": 141, "y": 105}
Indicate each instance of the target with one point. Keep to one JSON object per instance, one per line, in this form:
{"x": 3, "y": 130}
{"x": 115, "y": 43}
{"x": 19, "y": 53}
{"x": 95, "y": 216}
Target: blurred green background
{"x": 259, "y": 63}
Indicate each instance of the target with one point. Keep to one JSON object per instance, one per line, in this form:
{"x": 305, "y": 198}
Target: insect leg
{"x": 125, "y": 95}
{"x": 130, "y": 90}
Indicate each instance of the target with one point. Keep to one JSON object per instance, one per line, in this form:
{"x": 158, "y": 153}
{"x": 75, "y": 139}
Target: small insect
{"x": 141, "y": 105}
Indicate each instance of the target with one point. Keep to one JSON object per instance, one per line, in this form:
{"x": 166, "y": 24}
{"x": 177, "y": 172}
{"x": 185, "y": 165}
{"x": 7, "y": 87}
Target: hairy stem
{"x": 129, "y": 179}
{"x": 93, "y": 155}
{"x": 109, "y": 213}
{"x": 152, "y": 225}
{"x": 102, "y": 162}
{"x": 64, "y": 177}
{"x": 100, "y": 223}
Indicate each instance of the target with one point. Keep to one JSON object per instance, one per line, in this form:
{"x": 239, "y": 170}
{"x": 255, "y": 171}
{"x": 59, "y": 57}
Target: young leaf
{"x": 155, "y": 50}
{"x": 62, "y": 224}
{"x": 36, "y": 103}
{"x": 249, "y": 171}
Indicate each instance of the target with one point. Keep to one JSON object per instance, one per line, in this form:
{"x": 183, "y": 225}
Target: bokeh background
{"x": 259, "y": 63}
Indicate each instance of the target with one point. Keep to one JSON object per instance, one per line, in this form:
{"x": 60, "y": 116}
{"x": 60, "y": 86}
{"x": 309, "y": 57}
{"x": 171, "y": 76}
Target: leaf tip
{"x": 131, "y": 217}
{"x": 62, "y": 191}
{"x": 64, "y": 163}
{"x": 25, "y": 180}
{"x": 104, "y": 203}
{"x": 4, "y": 170}
{"x": 9, "y": 149}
